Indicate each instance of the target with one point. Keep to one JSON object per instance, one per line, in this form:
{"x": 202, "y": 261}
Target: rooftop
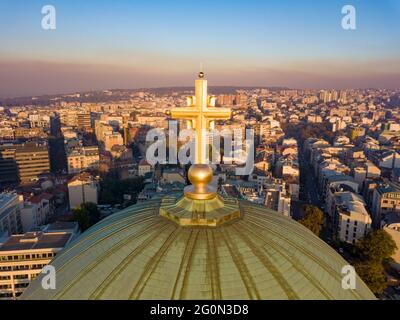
{"x": 6, "y": 198}
{"x": 351, "y": 203}
{"x": 36, "y": 240}
{"x": 85, "y": 176}
{"x": 388, "y": 188}
{"x": 392, "y": 217}
{"x": 61, "y": 226}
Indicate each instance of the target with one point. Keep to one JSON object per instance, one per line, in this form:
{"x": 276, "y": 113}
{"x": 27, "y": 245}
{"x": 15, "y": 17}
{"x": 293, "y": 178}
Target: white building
{"x": 391, "y": 224}
{"x": 23, "y": 256}
{"x": 352, "y": 219}
{"x": 10, "y": 213}
{"x": 83, "y": 158}
{"x": 36, "y": 211}
{"x": 112, "y": 139}
{"x": 82, "y": 188}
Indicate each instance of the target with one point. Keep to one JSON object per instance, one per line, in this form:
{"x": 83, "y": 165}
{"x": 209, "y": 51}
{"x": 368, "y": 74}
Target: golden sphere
{"x": 200, "y": 174}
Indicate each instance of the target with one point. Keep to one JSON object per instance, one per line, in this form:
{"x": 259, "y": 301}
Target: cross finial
{"x": 201, "y": 111}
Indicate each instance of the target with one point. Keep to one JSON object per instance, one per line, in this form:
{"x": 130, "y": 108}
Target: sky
{"x": 104, "y": 44}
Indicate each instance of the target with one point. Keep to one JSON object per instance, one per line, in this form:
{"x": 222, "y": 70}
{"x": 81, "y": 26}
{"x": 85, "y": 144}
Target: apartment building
{"x": 82, "y": 188}
{"x": 391, "y": 224}
{"x": 352, "y": 219}
{"x": 83, "y": 120}
{"x": 32, "y": 161}
{"x": 23, "y": 256}
{"x": 10, "y": 213}
{"x": 112, "y": 139}
{"x": 36, "y": 211}
{"x": 82, "y": 158}
{"x": 385, "y": 199}
{"x": 8, "y": 166}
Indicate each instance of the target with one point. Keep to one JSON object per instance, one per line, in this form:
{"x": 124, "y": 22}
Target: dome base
{"x": 209, "y": 213}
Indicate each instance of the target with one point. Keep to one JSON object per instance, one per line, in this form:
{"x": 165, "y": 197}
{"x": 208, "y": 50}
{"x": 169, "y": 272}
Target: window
{"x": 5, "y": 286}
{"x": 21, "y": 285}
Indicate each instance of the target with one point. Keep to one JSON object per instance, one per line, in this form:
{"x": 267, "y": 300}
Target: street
{"x": 309, "y": 187}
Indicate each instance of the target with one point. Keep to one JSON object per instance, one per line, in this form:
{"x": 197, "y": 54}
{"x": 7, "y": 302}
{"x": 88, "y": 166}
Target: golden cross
{"x": 201, "y": 111}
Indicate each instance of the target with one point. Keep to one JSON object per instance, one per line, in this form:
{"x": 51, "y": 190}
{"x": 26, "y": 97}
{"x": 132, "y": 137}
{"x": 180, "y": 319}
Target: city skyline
{"x": 135, "y": 45}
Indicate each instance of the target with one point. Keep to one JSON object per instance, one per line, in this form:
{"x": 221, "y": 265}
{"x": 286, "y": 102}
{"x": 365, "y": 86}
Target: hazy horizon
{"x": 130, "y": 45}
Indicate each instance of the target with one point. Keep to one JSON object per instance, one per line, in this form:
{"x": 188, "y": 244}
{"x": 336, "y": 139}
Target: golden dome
{"x": 140, "y": 253}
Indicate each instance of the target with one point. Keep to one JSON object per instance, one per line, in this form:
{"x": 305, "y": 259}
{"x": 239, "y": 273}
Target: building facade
{"x": 82, "y": 188}
{"x": 82, "y": 158}
{"x": 10, "y": 213}
{"x": 32, "y": 161}
{"x": 23, "y": 256}
{"x": 385, "y": 199}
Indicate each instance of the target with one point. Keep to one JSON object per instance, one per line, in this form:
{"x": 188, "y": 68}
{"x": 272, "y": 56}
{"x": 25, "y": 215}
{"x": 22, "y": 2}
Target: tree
{"x": 94, "y": 213}
{"x": 112, "y": 191}
{"x": 82, "y": 217}
{"x": 373, "y": 276}
{"x": 375, "y": 249}
{"x": 86, "y": 215}
{"x": 377, "y": 246}
{"x": 313, "y": 219}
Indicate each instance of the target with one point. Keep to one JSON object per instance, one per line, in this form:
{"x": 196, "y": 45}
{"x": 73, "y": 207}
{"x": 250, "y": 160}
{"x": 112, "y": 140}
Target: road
{"x": 310, "y": 189}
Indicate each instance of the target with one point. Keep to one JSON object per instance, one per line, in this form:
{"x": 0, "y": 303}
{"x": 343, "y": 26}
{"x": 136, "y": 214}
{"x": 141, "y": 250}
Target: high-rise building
{"x": 83, "y": 120}
{"x": 8, "y": 166}
{"x": 25, "y": 162}
{"x": 69, "y": 118}
{"x": 32, "y": 161}
{"x": 343, "y": 96}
